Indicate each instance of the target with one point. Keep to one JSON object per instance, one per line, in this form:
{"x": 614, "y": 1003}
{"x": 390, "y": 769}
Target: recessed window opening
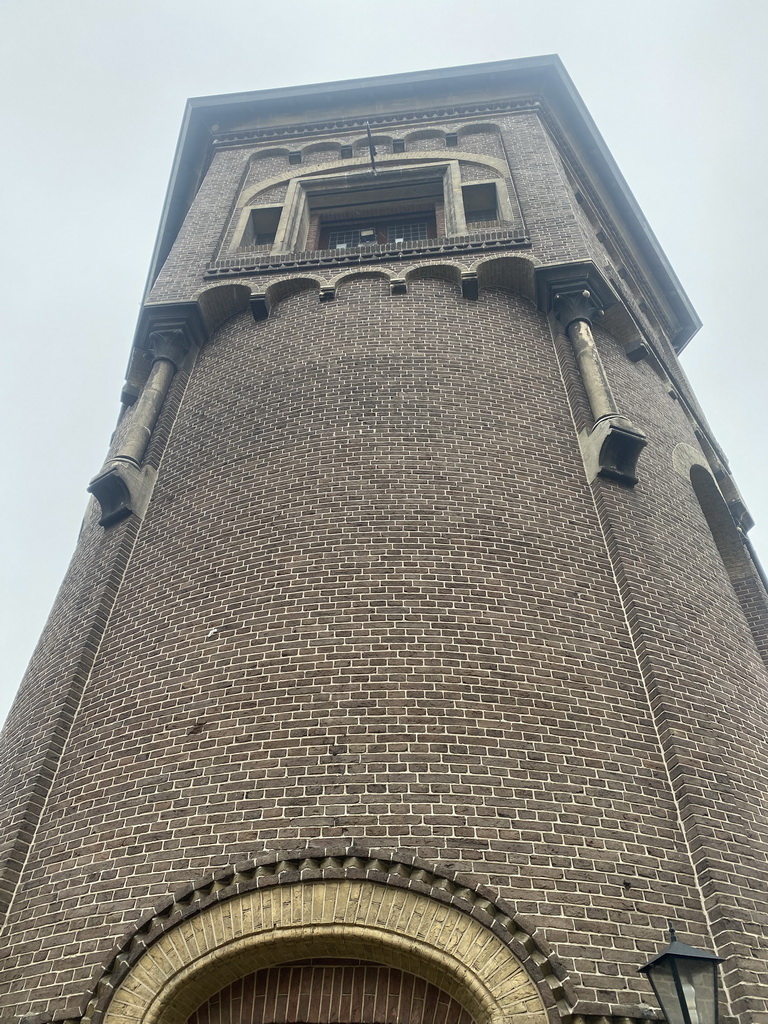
{"x": 262, "y": 226}
{"x": 379, "y": 231}
{"x": 378, "y": 213}
{"x": 480, "y": 203}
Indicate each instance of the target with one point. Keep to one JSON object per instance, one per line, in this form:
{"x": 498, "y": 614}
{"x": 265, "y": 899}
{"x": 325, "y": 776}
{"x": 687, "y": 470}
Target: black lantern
{"x": 685, "y": 982}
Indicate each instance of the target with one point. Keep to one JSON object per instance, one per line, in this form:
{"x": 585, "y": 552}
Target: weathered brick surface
{"x": 707, "y": 684}
{"x": 38, "y": 724}
{"x": 375, "y": 602}
{"x": 371, "y": 599}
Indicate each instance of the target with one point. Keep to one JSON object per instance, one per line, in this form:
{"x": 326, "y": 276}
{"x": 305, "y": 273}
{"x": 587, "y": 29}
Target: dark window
{"x": 380, "y": 230}
{"x": 407, "y": 231}
{"x": 479, "y": 203}
{"x": 346, "y": 238}
{"x": 294, "y": 158}
{"x": 389, "y": 208}
{"x": 451, "y": 139}
{"x": 346, "y": 152}
{"x": 398, "y": 145}
{"x": 262, "y": 226}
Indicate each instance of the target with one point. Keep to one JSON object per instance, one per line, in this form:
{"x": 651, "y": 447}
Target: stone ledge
{"x": 268, "y": 263}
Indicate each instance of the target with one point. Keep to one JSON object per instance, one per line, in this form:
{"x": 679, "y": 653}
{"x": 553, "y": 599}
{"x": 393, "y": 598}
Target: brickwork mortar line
{"x": 102, "y": 619}
{"x": 606, "y": 529}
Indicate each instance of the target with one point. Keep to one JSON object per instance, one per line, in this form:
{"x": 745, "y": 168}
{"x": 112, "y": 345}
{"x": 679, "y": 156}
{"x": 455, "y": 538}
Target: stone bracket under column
{"x": 611, "y": 450}
{"x": 123, "y": 489}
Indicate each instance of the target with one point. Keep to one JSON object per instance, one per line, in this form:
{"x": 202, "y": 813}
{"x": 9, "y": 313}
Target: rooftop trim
{"x": 543, "y": 76}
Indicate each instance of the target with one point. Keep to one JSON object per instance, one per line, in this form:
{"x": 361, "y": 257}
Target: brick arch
{"x": 288, "y": 286}
{"x": 318, "y": 149}
{"x": 221, "y": 302}
{"x": 350, "y": 277}
{"x": 328, "y": 991}
{"x": 378, "y": 140}
{"x": 265, "y": 154}
{"x": 425, "y": 135}
{"x": 513, "y": 273}
{"x": 478, "y": 128}
{"x": 450, "y": 272}
{"x": 265, "y": 927}
{"x": 361, "y": 162}
{"x": 333, "y": 863}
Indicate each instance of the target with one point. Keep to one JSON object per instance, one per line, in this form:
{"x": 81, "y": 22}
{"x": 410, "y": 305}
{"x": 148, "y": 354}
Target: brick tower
{"x": 410, "y": 664}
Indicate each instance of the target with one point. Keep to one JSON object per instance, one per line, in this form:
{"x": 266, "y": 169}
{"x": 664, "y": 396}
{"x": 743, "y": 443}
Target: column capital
{"x": 156, "y": 338}
{"x": 579, "y": 304}
{"x": 173, "y": 344}
{"x": 573, "y": 291}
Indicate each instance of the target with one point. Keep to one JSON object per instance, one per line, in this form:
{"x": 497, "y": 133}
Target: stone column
{"x": 575, "y": 311}
{"x": 169, "y": 350}
{"x": 613, "y": 445}
{"x": 124, "y": 485}
{"x": 575, "y": 294}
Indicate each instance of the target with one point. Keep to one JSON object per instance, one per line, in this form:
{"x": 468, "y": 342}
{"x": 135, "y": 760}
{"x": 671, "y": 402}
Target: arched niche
{"x": 221, "y": 302}
{"x": 319, "y": 151}
{"x": 722, "y": 527}
{"x": 266, "y": 154}
{"x": 348, "y": 280}
{"x": 480, "y": 128}
{"x": 744, "y": 572}
{"x": 392, "y": 926}
{"x": 382, "y": 144}
{"x": 289, "y": 286}
{"x": 435, "y": 272}
{"x": 514, "y": 273}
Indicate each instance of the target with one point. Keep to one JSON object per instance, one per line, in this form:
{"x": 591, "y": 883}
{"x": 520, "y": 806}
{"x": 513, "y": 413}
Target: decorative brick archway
{"x": 396, "y": 928}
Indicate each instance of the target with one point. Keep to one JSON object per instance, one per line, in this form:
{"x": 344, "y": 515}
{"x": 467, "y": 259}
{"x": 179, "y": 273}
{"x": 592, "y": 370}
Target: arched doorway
{"x": 331, "y": 991}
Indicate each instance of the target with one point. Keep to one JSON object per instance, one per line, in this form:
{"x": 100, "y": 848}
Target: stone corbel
{"x": 171, "y": 336}
{"x": 470, "y": 285}
{"x": 259, "y": 307}
{"x": 576, "y": 294}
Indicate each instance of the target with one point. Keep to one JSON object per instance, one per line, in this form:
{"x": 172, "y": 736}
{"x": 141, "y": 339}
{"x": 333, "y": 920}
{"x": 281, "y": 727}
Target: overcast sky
{"x": 93, "y": 93}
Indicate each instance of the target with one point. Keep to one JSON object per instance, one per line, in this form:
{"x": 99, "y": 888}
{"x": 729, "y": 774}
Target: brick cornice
{"x": 376, "y": 121}
{"x": 271, "y": 263}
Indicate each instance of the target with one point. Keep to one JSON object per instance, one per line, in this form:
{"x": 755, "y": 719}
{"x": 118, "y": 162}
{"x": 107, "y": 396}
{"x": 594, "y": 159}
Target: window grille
{"x": 344, "y": 239}
{"x": 411, "y": 231}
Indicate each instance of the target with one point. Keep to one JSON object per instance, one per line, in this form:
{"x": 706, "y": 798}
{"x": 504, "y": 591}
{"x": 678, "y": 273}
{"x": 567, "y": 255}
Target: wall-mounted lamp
{"x": 684, "y": 980}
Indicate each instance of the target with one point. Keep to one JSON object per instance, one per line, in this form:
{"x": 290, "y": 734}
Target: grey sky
{"x": 92, "y": 98}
